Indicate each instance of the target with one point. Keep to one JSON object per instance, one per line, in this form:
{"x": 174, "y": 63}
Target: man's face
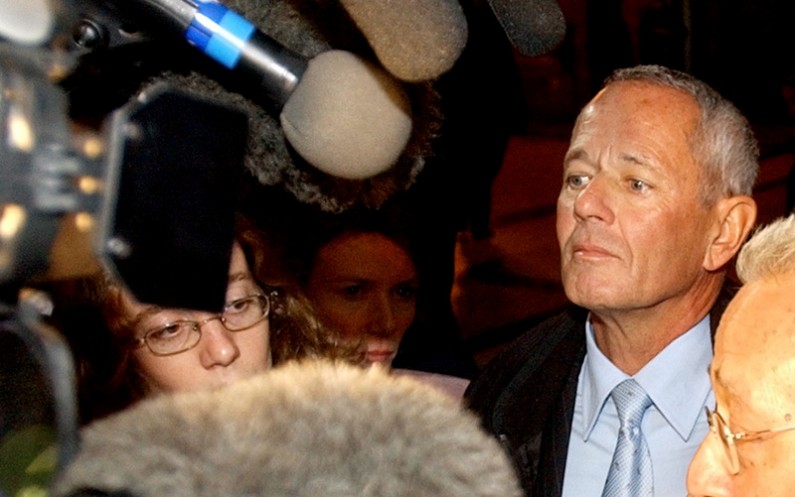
{"x": 752, "y": 374}
{"x": 632, "y": 229}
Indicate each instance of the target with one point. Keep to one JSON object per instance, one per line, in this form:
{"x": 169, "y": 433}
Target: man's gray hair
{"x": 301, "y": 430}
{"x": 769, "y": 252}
{"x": 723, "y": 143}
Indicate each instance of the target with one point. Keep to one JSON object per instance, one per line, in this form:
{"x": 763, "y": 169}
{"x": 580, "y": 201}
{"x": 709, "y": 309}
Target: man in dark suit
{"x": 655, "y": 202}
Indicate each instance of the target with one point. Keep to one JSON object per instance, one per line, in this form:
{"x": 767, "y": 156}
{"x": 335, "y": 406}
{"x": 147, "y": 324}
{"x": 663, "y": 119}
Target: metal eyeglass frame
{"x": 197, "y": 325}
{"x": 729, "y": 439}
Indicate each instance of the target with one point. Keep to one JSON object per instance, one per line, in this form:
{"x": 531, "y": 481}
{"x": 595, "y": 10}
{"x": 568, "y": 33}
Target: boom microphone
{"x": 343, "y": 115}
{"x": 534, "y": 27}
{"x": 412, "y": 58}
{"x": 26, "y": 22}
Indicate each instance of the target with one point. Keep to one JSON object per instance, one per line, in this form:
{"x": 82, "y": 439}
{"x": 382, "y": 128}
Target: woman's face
{"x": 364, "y": 286}
{"x": 220, "y": 357}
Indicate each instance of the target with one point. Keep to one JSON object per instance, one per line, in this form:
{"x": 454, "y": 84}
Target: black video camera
{"x": 150, "y": 197}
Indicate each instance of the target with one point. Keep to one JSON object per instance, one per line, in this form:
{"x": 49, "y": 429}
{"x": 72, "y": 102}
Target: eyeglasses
{"x": 179, "y": 336}
{"x": 729, "y": 440}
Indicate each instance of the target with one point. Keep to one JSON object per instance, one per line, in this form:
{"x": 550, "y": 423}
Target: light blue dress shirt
{"x": 677, "y": 380}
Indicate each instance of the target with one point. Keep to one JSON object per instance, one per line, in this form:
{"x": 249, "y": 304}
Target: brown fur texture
{"x": 308, "y": 27}
{"x": 304, "y": 429}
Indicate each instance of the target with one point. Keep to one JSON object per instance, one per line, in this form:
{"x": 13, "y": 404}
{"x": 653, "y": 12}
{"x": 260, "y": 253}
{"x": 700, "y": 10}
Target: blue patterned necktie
{"x": 630, "y": 471}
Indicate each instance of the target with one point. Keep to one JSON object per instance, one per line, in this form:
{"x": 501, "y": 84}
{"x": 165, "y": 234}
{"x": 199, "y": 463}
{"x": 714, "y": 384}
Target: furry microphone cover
{"x": 302, "y": 430}
{"x": 308, "y": 28}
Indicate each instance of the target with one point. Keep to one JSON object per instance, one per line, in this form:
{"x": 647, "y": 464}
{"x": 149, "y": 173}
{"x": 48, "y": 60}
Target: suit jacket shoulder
{"x": 525, "y": 397}
{"x": 511, "y": 370}
{"x": 530, "y": 354}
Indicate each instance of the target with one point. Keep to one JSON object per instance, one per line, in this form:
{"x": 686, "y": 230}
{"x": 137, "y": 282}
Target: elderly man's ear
{"x": 735, "y": 218}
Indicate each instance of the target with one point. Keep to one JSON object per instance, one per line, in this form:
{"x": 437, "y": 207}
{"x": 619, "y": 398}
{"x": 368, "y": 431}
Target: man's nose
{"x": 593, "y": 201}
{"x": 218, "y": 345}
{"x": 708, "y": 475}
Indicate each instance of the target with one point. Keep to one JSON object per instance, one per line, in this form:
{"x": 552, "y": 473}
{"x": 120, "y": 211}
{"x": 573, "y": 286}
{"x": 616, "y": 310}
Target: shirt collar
{"x": 676, "y": 379}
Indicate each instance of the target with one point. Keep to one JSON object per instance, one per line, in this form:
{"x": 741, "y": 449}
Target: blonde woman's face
{"x": 221, "y": 356}
{"x": 364, "y": 286}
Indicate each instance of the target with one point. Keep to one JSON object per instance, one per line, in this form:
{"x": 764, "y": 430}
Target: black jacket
{"x": 525, "y": 396}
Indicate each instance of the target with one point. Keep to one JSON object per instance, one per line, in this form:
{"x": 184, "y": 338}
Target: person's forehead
{"x": 632, "y": 111}
{"x": 756, "y": 336}
{"x": 763, "y": 309}
{"x": 237, "y": 263}
{"x": 367, "y": 255}
{"x": 238, "y": 271}
{"x": 361, "y": 244}
{"x": 645, "y": 99}
{"x": 642, "y": 122}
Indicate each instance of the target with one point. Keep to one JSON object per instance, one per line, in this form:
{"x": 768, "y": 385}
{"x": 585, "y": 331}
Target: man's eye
{"x": 638, "y": 185}
{"x": 577, "y": 181}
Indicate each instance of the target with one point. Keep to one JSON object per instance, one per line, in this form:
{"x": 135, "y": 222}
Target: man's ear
{"x": 736, "y": 216}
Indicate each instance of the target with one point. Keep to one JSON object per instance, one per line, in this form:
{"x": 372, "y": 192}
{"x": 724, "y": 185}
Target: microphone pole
{"x": 234, "y": 42}
{"x": 341, "y": 114}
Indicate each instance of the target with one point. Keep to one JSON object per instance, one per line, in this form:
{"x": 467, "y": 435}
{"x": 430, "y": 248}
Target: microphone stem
{"x": 231, "y": 40}
{"x": 278, "y": 68}
{"x": 178, "y": 14}
{"x": 236, "y": 43}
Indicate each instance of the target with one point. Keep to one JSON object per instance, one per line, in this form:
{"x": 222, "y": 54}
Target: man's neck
{"x": 632, "y": 338}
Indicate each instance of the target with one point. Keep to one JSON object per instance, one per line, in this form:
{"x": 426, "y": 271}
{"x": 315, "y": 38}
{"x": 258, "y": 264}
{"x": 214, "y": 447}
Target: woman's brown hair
{"x": 93, "y": 316}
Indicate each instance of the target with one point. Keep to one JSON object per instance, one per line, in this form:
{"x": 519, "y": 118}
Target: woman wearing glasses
{"x": 177, "y": 349}
{"x": 148, "y": 349}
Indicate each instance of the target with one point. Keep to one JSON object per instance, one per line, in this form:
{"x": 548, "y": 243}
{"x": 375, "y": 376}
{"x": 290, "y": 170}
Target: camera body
{"x": 149, "y": 196}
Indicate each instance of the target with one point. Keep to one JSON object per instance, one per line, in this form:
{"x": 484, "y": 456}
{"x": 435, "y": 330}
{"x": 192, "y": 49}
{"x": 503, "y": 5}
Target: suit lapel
{"x": 555, "y": 439}
{"x": 537, "y": 408}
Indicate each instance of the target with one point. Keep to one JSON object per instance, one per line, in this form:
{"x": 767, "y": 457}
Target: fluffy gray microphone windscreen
{"x": 534, "y": 27}
{"x": 25, "y": 22}
{"x": 417, "y": 41}
{"x": 300, "y": 430}
{"x": 347, "y": 117}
